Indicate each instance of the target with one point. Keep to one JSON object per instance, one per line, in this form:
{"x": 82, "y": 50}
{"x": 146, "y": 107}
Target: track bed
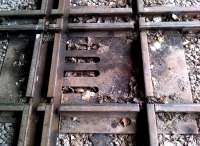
{"x": 82, "y": 73}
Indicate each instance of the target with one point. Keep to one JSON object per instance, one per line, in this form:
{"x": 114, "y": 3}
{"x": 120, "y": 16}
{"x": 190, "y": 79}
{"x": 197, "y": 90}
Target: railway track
{"x": 168, "y": 73}
{"x": 100, "y": 73}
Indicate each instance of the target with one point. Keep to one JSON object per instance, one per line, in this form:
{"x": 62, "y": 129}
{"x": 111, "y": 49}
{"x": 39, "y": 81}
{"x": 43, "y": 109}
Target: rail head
{"x": 100, "y": 11}
{"x": 100, "y": 108}
{"x": 12, "y": 108}
{"x": 185, "y": 108}
{"x": 30, "y": 27}
{"x": 95, "y": 108}
{"x": 153, "y": 133}
{"x": 149, "y": 91}
{"x": 191, "y": 25}
{"x": 101, "y": 26}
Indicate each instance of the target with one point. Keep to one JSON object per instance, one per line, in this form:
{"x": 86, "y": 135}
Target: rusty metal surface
{"x": 107, "y": 74}
{"x": 189, "y": 108}
{"x": 113, "y": 76}
{"x": 169, "y": 70}
{"x": 98, "y": 11}
{"x": 97, "y": 122}
{"x": 115, "y": 68}
{"x": 146, "y": 65}
{"x": 153, "y": 133}
{"x": 184, "y": 126}
{"x": 99, "y": 108}
{"x": 193, "y": 25}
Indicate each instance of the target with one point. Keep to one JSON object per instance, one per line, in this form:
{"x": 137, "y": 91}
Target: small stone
{"x": 155, "y": 46}
{"x": 87, "y": 95}
{"x": 157, "y": 19}
{"x": 72, "y": 137}
{"x": 80, "y": 90}
{"x": 175, "y": 17}
{"x": 125, "y": 122}
{"x": 167, "y": 143}
{"x": 74, "y": 118}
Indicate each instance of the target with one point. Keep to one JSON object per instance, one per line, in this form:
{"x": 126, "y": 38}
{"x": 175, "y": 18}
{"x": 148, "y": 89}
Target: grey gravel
{"x": 168, "y": 123}
{"x": 84, "y": 44}
{"x": 3, "y": 50}
{"x": 101, "y": 3}
{"x": 92, "y": 140}
{"x": 179, "y": 140}
{"x": 173, "y": 18}
{"x": 7, "y": 128}
{"x": 172, "y": 122}
{"x": 181, "y": 3}
{"x": 93, "y": 19}
{"x": 17, "y": 5}
{"x": 191, "y": 43}
{"x": 6, "y": 134}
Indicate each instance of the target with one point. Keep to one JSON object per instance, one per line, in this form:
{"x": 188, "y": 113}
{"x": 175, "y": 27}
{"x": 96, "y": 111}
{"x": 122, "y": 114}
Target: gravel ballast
{"x": 191, "y": 43}
{"x": 7, "y": 5}
{"x": 101, "y": 3}
{"x": 171, "y": 3}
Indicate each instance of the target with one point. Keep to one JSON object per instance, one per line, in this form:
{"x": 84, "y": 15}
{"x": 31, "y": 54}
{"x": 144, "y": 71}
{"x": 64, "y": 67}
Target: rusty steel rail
{"x": 94, "y": 11}
{"x": 35, "y": 28}
{"x": 37, "y": 66}
{"x": 33, "y": 93}
{"x": 100, "y": 108}
{"x": 100, "y": 11}
{"x": 192, "y": 25}
{"x": 29, "y": 13}
{"x": 112, "y": 73}
{"x": 73, "y": 11}
{"x": 47, "y": 11}
{"x": 111, "y": 112}
{"x": 166, "y": 108}
{"x": 146, "y": 65}
{"x": 103, "y": 26}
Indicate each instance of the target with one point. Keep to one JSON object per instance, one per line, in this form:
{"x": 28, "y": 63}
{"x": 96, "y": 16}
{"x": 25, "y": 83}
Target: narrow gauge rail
{"x": 187, "y": 129}
{"x": 42, "y": 15}
{"x": 33, "y": 88}
{"x": 67, "y": 104}
{"x": 159, "y": 11}
{"x": 161, "y": 38}
{"x": 63, "y": 107}
{"x": 171, "y": 31}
